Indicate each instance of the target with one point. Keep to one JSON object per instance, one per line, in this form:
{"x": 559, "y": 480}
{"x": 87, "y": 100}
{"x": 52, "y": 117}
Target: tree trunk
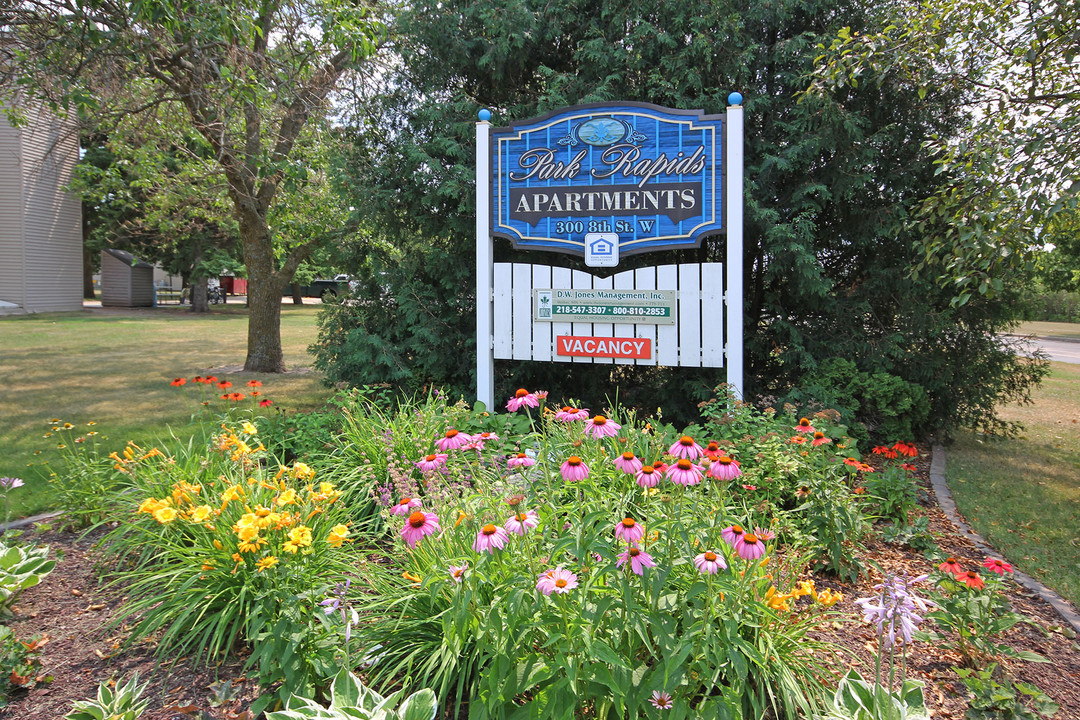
{"x": 297, "y": 296}
{"x": 200, "y": 303}
{"x": 265, "y": 288}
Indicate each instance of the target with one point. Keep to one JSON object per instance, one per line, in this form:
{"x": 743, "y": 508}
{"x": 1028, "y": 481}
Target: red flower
{"x": 254, "y": 383}
{"x": 997, "y": 566}
{"x": 266, "y": 403}
{"x": 906, "y": 449}
{"x": 224, "y": 384}
{"x": 852, "y": 462}
{"x": 209, "y": 380}
{"x": 951, "y": 566}
{"x": 886, "y": 451}
{"x": 197, "y": 379}
{"x": 971, "y": 578}
{"x": 177, "y": 382}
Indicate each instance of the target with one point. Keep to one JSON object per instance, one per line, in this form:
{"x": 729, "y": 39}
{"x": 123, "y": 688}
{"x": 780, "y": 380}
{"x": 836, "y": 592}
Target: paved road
{"x": 1066, "y": 351}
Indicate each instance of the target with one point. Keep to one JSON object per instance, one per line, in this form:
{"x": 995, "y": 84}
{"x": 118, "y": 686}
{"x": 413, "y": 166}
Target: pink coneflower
{"x": 661, "y": 700}
{"x": 971, "y": 578}
{"x": 724, "y": 468}
{"x": 750, "y": 547}
{"x": 599, "y": 427}
{"x": 556, "y": 581}
{"x": 804, "y": 426}
{"x": 852, "y": 462}
{"x": 418, "y": 525}
{"x": 751, "y": 488}
{"x": 520, "y": 460}
{"x": 574, "y": 469}
{"x": 731, "y": 534}
{"x": 647, "y": 476}
{"x": 452, "y": 440}
{"x": 997, "y": 566}
{"x": 638, "y": 559}
{"x": 764, "y": 534}
{"x": 522, "y": 398}
{"x": 490, "y": 538}
{"x": 432, "y": 462}
{"x": 629, "y": 530}
{"x": 710, "y": 563}
{"x": 405, "y": 507}
{"x": 457, "y": 572}
{"x": 477, "y": 442}
{"x": 522, "y": 523}
{"x": 628, "y": 463}
{"x": 820, "y": 439}
{"x": 685, "y": 447}
{"x": 570, "y": 414}
{"x": 685, "y": 472}
{"x": 712, "y": 450}
{"x": 951, "y": 566}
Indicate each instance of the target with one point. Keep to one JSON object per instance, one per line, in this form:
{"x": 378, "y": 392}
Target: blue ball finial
{"x": 484, "y": 115}
{"x": 734, "y": 98}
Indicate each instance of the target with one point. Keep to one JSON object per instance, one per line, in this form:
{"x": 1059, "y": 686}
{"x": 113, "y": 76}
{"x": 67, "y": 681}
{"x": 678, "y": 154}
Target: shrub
{"x": 19, "y": 664}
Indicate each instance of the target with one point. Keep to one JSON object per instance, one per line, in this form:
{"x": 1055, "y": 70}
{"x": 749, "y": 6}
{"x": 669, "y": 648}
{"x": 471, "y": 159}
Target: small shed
{"x": 125, "y": 281}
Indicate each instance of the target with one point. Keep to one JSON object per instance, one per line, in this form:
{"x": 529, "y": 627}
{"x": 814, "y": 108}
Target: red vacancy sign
{"x": 607, "y": 347}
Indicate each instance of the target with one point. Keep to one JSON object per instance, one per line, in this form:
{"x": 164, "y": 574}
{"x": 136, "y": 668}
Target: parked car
{"x": 327, "y": 289}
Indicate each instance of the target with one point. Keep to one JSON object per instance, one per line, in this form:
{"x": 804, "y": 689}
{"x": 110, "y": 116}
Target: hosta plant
{"x": 21, "y": 567}
{"x": 351, "y": 700}
{"x": 120, "y": 703}
{"x": 857, "y": 699}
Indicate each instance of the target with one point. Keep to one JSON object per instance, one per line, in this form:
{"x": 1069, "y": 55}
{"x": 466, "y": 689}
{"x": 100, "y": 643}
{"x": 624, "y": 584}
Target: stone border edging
{"x": 948, "y": 505}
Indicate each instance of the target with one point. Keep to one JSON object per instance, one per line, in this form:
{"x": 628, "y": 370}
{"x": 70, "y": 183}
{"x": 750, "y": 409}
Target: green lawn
{"x": 113, "y": 368}
{"x": 1023, "y": 494}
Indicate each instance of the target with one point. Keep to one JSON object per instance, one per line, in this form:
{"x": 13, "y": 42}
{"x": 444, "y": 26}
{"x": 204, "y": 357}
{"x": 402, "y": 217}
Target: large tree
{"x": 251, "y": 76}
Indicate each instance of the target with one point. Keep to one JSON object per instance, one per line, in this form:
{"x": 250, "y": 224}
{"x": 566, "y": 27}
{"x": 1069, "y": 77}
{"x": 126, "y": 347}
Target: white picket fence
{"x": 696, "y": 340}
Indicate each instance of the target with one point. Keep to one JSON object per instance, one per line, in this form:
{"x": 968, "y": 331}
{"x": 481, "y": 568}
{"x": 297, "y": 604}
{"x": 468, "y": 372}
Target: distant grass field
{"x": 113, "y": 367}
{"x": 1050, "y": 329}
{"x": 1023, "y": 494}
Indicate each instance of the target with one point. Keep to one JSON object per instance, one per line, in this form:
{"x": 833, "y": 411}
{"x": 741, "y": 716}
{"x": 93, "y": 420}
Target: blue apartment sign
{"x": 645, "y": 177}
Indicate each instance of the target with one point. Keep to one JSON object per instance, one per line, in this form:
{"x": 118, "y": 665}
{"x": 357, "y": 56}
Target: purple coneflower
{"x": 638, "y": 559}
{"x": 661, "y": 700}
{"x": 685, "y": 472}
{"x": 629, "y": 530}
{"x": 731, "y": 534}
{"x": 570, "y": 414}
{"x": 764, "y": 534}
{"x": 522, "y": 523}
{"x": 432, "y": 463}
{"x": 574, "y": 469}
{"x": 490, "y": 538}
{"x": 405, "y": 507}
{"x": 477, "y": 442}
{"x": 457, "y": 572}
{"x": 520, "y": 460}
{"x": 724, "y": 468}
{"x": 418, "y": 525}
{"x": 710, "y": 563}
{"x": 750, "y": 547}
{"x": 599, "y": 427}
{"x": 452, "y": 440}
{"x": 628, "y": 463}
{"x": 685, "y": 447}
{"x": 647, "y": 476}
{"x": 556, "y": 581}
{"x": 522, "y": 398}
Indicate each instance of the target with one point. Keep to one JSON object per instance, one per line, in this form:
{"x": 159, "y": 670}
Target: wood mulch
{"x": 73, "y": 609}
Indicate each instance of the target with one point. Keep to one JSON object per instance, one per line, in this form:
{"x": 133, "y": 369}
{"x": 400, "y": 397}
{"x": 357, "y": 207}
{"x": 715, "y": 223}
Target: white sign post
{"x": 485, "y": 267}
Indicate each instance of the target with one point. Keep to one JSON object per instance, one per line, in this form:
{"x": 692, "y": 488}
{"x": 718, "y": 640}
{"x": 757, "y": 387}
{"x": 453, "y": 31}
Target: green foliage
{"x": 21, "y": 567}
{"x": 1002, "y": 699}
{"x": 892, "y": 491}
{"x": 877, "y": 406}
{"x": 975, "y": 617}
{"x": 351, "y": 700}
{"x": 84, "y": 482}
{"x": 916, "y": 536}
{"x": 19, "y": 664}
{"x": 290, "y": 436}
{"x": 835, "y": 523}
{"x": 121, "y": 703}
{"x": 478, "y": 627}
{"x": 857, "y": 699}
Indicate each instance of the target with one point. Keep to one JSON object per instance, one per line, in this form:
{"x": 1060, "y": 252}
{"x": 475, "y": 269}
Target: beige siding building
{"x": 40, "y": 224}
